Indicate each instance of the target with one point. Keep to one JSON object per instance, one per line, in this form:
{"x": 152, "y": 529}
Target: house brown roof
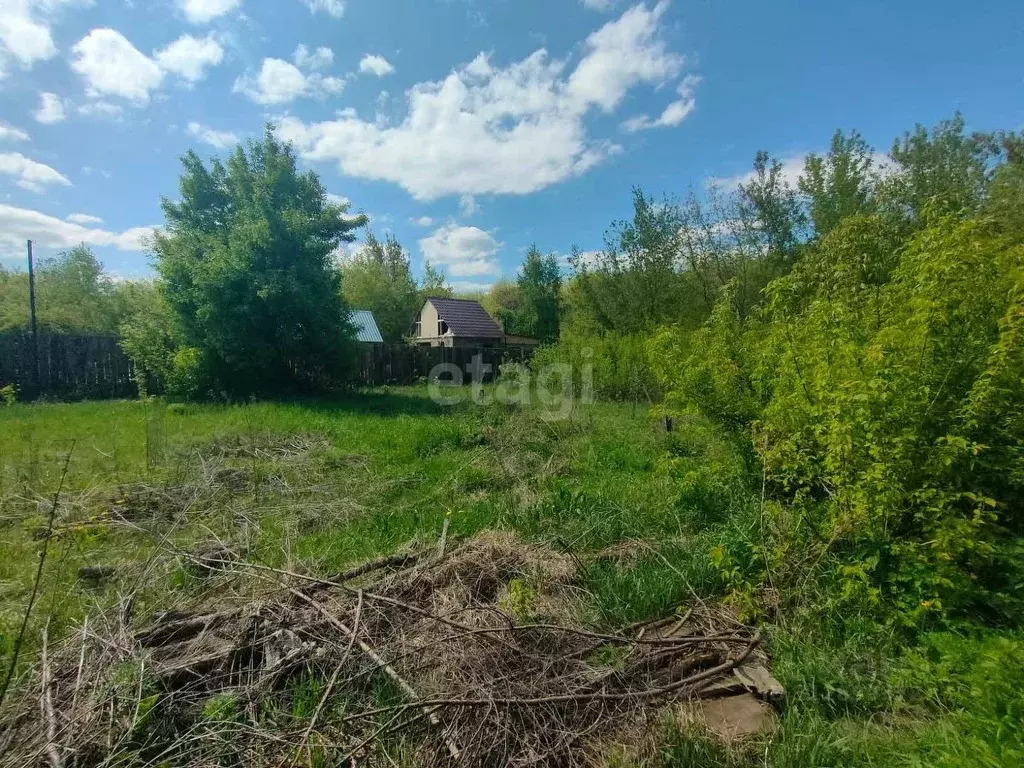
{"x": 466, "y": 318}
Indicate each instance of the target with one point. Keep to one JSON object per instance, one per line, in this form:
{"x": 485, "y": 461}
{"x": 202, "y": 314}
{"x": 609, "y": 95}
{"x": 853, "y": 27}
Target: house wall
{"x": 428, "y": 326}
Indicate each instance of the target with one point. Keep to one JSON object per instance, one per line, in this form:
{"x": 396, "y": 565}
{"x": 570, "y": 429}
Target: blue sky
{"x": 469, "y": 128}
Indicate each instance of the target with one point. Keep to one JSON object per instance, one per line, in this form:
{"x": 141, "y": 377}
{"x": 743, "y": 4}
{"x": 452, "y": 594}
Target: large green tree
{"x": 379, "y": 278}
{"x": 247, "y": 273}
{"x": 540, "y": 296}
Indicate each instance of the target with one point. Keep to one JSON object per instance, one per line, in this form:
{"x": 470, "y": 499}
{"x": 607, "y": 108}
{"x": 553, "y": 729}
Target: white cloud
{"x": 463, "y": 251}
{"x": 29, "y": 174}
{"x": 372, "y": 64}
{"x": 318, "y": 59}
{"x": 468, "y": 206}
{"x": 335, "y": 8}
{"x": 598, "y": 5}
{"x": 25, "y": 29}
{"x": 674, "y": 113}
{"x": 101, "y": 109}
{"x": 51, "y": 109}
{"x": 190, "y": 56}
{"x": 793, "y": 168}
{"x": 218, "y": 139}
{"x": 422, "y": 221}
{"x": 205, "y": 11}
{"x": 487, "y": 129}
{"x": 337, "y": 199}
{"x": 111, "y": 66}
{"x": 83, "y": 218}
{"x": 10, "y": 133}
{"x": 20, "y": 224}
{"x": 280, "y": 82}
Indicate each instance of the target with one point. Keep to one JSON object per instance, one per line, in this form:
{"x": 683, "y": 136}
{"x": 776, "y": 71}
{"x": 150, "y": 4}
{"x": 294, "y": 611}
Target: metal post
{"x": 32, "y": 316}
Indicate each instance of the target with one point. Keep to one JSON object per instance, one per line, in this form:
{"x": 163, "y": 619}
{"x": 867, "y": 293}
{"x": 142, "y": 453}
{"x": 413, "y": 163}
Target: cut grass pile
{"x": 313, "y": 487}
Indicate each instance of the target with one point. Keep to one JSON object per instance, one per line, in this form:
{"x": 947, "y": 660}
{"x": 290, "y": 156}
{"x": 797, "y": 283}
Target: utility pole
{"x": 32, "y": 317}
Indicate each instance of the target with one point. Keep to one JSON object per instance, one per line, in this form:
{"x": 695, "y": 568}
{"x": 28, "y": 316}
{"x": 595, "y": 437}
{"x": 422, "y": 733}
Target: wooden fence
{"x": 404, "y": 364}
{"x": 71, "y": 366}
{"x": 80, "y": 367}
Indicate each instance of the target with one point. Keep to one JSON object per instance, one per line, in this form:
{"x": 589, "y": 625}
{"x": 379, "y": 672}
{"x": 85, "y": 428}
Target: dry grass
{"x": 478, "y": 656}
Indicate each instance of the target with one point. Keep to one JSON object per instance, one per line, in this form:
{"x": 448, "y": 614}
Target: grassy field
{"x": 316, "y": 486}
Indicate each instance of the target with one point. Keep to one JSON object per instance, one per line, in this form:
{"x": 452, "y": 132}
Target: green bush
{"x": 611, "y": 366}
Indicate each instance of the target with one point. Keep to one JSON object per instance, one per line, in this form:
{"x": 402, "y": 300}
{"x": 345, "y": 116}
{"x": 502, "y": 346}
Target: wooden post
{"x": 32, "y": 318}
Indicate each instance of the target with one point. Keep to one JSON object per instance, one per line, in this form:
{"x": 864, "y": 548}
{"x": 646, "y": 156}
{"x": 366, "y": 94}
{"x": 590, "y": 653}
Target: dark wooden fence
{"x": 404, "y": 364}
{"x": 71, "y": 366}
{"x": 80, "y": 367}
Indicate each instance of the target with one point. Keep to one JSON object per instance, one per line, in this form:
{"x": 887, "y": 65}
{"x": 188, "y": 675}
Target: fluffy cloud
{"x": 335, "y": 8}
{"x": 25, "y": 29}
{"x": 10, "y": 133}
{"x": 318, "y": 59}
{"x": 422, "y": 221}
{"x": 598, "y": 5}
{"x": 463, "y": 251}
{"x": 218, "y": 139}
{"x": 338, "y": 199}
{"x": 205, "y": 11}
{"x": 29, "y": 174}
{"x": 372, "y": 64}
{"x": 111, "y": 66}
{"x": 190, "y": 57}
{"x": 674, "y": 113}
{"x": 487, "y": 129}
{"x": 51, "y": 109}
{"x": 84, "y": 219}
{"x": 280, "y": 82}
{"x": 20, "y": 224}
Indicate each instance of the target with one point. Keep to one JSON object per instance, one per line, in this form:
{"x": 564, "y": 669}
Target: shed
{"x": 366, "y": 327}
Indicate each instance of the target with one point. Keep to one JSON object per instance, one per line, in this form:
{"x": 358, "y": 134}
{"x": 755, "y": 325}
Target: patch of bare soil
{"x": 478, "y": 656}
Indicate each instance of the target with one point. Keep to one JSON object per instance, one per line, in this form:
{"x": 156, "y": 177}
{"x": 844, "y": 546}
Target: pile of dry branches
{"x": 476, "y": 656}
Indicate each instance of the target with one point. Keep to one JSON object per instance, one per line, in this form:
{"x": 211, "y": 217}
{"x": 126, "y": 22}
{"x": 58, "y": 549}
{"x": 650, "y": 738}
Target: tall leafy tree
{"x": 247, "y": 274}
{"x": 504, "y": 303}
{"x": 840, "y": 183}
{"x": 379, "y": 278}
{"x": 633, "y": 284}
{"x": 941, "y": 171}
{"x": 540, "y": 289}
{"x": 768, "y": 198}
{"x": 434, "y": 282}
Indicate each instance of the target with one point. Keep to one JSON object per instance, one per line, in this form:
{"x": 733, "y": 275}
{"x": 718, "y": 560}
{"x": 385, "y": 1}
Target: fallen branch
{"x": 400, "y": 681}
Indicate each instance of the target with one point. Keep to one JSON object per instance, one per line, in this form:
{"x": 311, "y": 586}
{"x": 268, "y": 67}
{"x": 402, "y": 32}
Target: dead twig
{"x": 400, "y": 681}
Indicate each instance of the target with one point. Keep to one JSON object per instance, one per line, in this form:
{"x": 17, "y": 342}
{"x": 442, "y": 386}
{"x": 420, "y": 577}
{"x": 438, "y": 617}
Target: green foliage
{"x": 881, "y": 385}
{"x": 434, "y": 282}
{"x": 611, "y": 366}
{"x": 73, "y": 295}
{"x": 246, "y": 273}
{"x": 379, "y": 278}
{"x": 147, "y": 334}
{"x": 539, "y": 295}
{"x": 8, "y": 395}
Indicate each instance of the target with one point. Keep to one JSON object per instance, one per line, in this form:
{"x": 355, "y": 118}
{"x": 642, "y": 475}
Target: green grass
{"x": 319, "y": 485}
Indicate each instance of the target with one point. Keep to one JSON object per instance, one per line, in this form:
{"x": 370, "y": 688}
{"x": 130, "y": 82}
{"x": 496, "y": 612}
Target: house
{"x": 456, "y": 323}
{"x": 366, "y": 327}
